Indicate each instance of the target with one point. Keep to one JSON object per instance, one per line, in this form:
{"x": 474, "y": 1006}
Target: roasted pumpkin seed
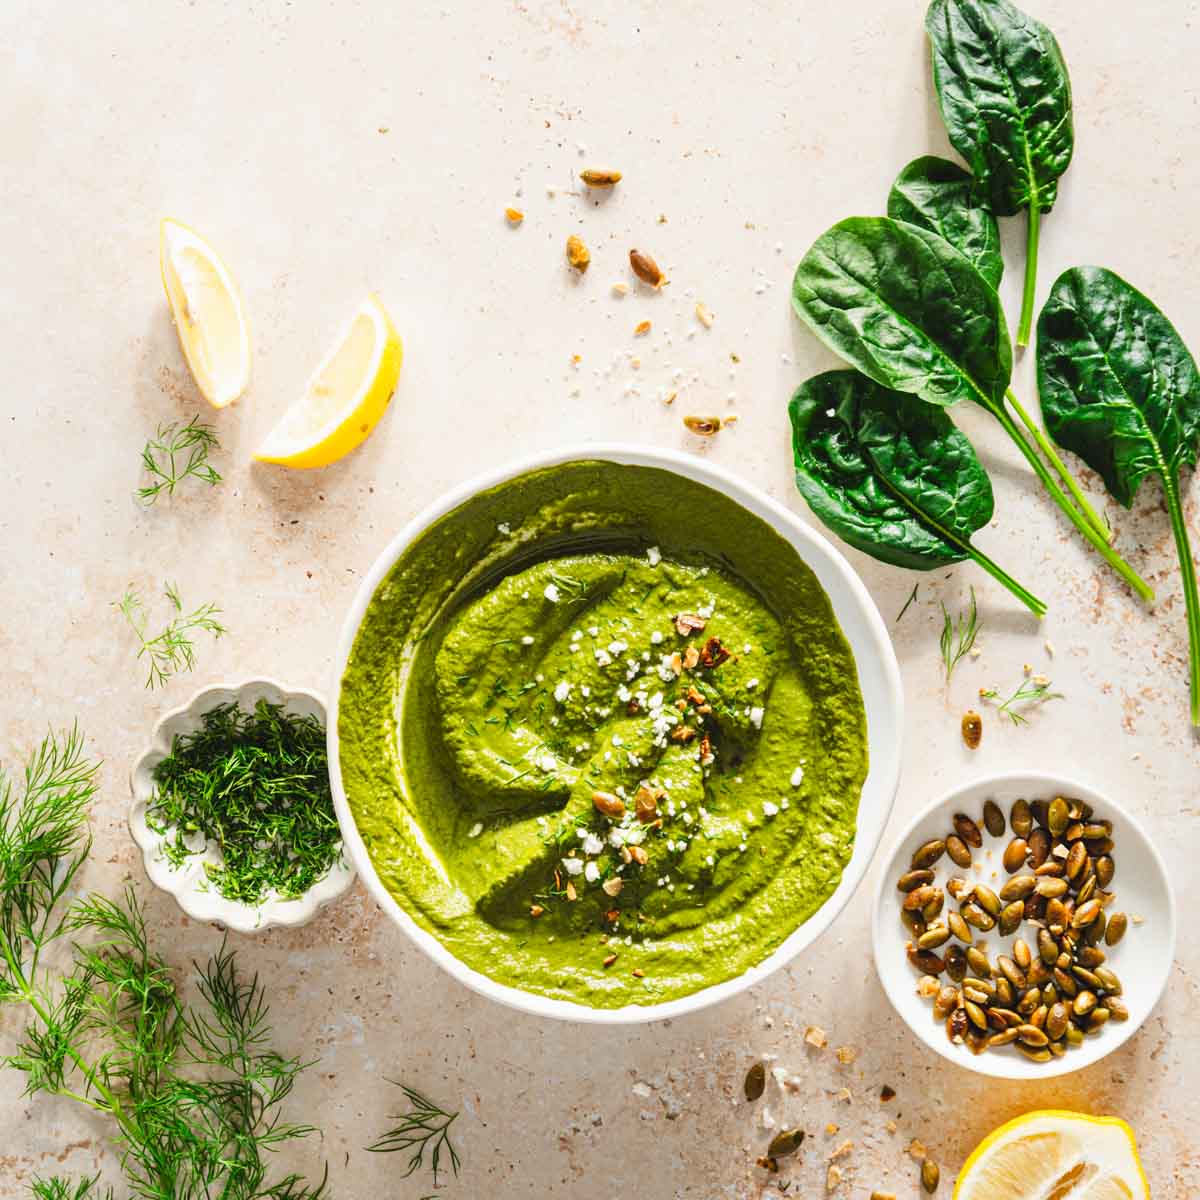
{"x": 1117, "y": 1009}
{"x": 1011, "y": 971}
{"x": 957, "y": 886}
{"x": 974, "y": 915}
{"x": 956, "y": 963}
{"x": 1010, "y": 918}
{"x": 1019, "y": 887}
{"x": 933, "y": 937}
{"x": 1057, "y": 816}
{"x": 993, "y": 818}
{"x": 756, "y": 1081}
{"x": 1076, "y": 860}
{"x": 911, "y": 880}
{"x": 1020, "y": 817}
{"x": 1083, "y": 1003}
{"x": 958, "y": 850}
{"x": 978, "y": 962}
{"x": 1099, "y": 1016}
{"x": 945, "y": 1002}
{"x": 987, "y": 899}
{"x": 957, "y": 1024}
{"x": 1117, "y": 924}
{"x": 1021, "y": 953}
{"x": 928, "y": 853}
{"x": 1041, "y": 1055}
{"x": 645, "y": 268}
{"x": 1085, "y": 914}
{"x": 1051, "y": 886}
{"x": 967, "y": 830}
{"x": 1031, "y": 1035}
{"x": 918, "y": 898}
{"x": 786, "y": 1141}
{"x": 1015, "y": 854}
{"x": 959, "y": 928}
{"x": 1057, "y": 1020}
{"x": 1039, "y": 847}
{"x": 1108, "y": 981}
{"x": 975, "y": 1014}
{"x": 971, "y": 728}
{"x": 926, "y": 961}
{"x": 1105, "y": 870}
{"x": 1004, "y": 1037}
{"x": 930, "y": 1175}
{"x": 1090, "y": 957}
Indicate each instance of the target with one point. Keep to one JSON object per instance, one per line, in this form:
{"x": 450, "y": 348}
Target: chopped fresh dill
{"x": 176, "y": 454}
{"x": 172, "y": 650}
{"x": 193, "y": 1087}
{"x": 907, "y": 604}
{"x": 424, "y": 1127}
{"x": 255, "y": 786}
{"x": 1029, "y": 693}
{"x": 958, "y": 635}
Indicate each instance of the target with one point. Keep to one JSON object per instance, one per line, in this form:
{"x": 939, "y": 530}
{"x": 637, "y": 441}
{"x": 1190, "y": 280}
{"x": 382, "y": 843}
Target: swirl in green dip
{"x": 628, "y": 725}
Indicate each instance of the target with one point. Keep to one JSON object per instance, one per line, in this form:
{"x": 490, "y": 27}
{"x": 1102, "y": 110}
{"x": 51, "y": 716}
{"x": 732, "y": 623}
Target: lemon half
{"x": 346, "y": 396}
{"x": 1052, "y": 1153}
{"x": 208, "y": 313}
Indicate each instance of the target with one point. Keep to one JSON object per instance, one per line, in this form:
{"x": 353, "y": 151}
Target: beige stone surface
{"x": 329, "y": 149}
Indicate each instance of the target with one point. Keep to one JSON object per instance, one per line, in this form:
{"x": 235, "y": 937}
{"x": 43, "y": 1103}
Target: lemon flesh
{"x": 208, "y": 313}
{"x": 345, "y": 398}
{"x": 1055, "y": 1155}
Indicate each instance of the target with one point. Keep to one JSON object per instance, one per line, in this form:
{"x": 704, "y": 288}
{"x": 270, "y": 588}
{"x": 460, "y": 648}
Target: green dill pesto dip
{"x": 592, "y": 629}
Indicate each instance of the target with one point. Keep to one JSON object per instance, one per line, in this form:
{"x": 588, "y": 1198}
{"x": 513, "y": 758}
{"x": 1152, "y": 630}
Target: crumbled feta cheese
{"x": 593, "y": 631}
{"x": 797, "y": 777}
{"x": 769, "y": 808}
{"x": 584, "y": 690}
{"x": 547, "y": 762}
{"x": 624, "y": 694}
{"x": 551, "y": 593}
{"x": 562, "y": 691}
{"x": 653, "y": 555}
{"x": 617, "y": 647}
{"x": 527, "y": 640}
{"x": 504, "y": 527}
{"x": 655, "y": 701}
{"x": 617, "y": 740}
{"x": 572, "y": 866}
{"x": 656, "y": 638}
{"x": 756, "y": 717}
{"x": 475, "y": 829}
{"x": 591, "y": 872}
{"x": 577, "y": 635}
{"x": 592, "y": 844}
{"x": 751, "y": 684}
{"x": 603, "y": 658}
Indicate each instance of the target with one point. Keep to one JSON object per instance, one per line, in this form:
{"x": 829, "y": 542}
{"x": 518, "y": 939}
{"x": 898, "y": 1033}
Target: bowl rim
{"x": 1005, "y": 1067}
{"x": 211, "y": 905}
{"x": 819, "y": 554}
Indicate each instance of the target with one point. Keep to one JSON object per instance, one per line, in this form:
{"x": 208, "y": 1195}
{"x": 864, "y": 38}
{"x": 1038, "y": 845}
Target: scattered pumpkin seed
{"x": 930, "y": 1175}
{"x": 972, "y": 729}
{"x": 928, "y": 853}
{"x": 756, "y": 1081}
{"x": 958, "y": 850}
{"x": 595, "y": 178}
{"x": 645, "y": 268}
{"x": 968, "y": 830}
{"x": 786, "y": 1141}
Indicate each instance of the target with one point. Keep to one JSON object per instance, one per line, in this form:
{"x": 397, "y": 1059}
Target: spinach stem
{"x": 1097, "y": 522}
{"x": 1031, "y": 258}
{"x": 1060, "y": 498}
{"x": 1191, "y": 595}
{"x": 1035, "y": 606}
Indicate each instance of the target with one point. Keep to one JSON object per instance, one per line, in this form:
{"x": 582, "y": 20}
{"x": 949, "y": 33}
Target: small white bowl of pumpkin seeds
{"x": 1024, "y": 926}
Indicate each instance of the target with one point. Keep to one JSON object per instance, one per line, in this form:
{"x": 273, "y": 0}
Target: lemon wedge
{"x": 1055, "y": 1154}
{"x": 345, "y": 397}
{"x": 208, "y": 313}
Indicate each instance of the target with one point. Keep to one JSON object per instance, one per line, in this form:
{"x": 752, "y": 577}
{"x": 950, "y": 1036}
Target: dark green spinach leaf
{"x": 911, "y": 312}
{"x": 1005, "y": 97}
{"x": 891, "y": 476}
{"x": 1121, "y": 390}
{"x": 938, "y": 195}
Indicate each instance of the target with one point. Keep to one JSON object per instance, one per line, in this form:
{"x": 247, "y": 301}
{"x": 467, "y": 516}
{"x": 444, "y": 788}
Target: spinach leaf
{"x": 891, "y": 476}
{"x": 1005, "y": 97}
{"x": 1119, "y": 387}
{"x": 938, "y": 195}
{"x": 912, "y": 313}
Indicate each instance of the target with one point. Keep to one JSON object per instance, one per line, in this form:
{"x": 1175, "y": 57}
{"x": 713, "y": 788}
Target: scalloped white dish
{"x": 188, "y": 883}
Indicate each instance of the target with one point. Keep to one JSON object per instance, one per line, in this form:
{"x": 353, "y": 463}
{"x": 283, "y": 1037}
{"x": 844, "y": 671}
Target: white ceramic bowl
{"x": 188, "y": 882}
{"x": 879, "y": 679}
{"x": 1142, "y": 958}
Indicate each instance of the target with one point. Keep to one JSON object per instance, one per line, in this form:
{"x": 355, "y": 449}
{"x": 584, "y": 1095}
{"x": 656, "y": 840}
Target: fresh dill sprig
{"x": 424, "y": 1127}
{"x": 958, "y": 635}
{"x": 58, "y": 1188}
{"x": 176, "y": 454}
{"x": 256, "y": 786}
{"x": 194, "y": 1089}
{"x": 173, "y": 650}
{"x": 1030, "y": 693}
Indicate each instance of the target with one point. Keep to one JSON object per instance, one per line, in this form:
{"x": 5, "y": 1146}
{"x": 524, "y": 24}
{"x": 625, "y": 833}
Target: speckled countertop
{"x": 329, "y": 149}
